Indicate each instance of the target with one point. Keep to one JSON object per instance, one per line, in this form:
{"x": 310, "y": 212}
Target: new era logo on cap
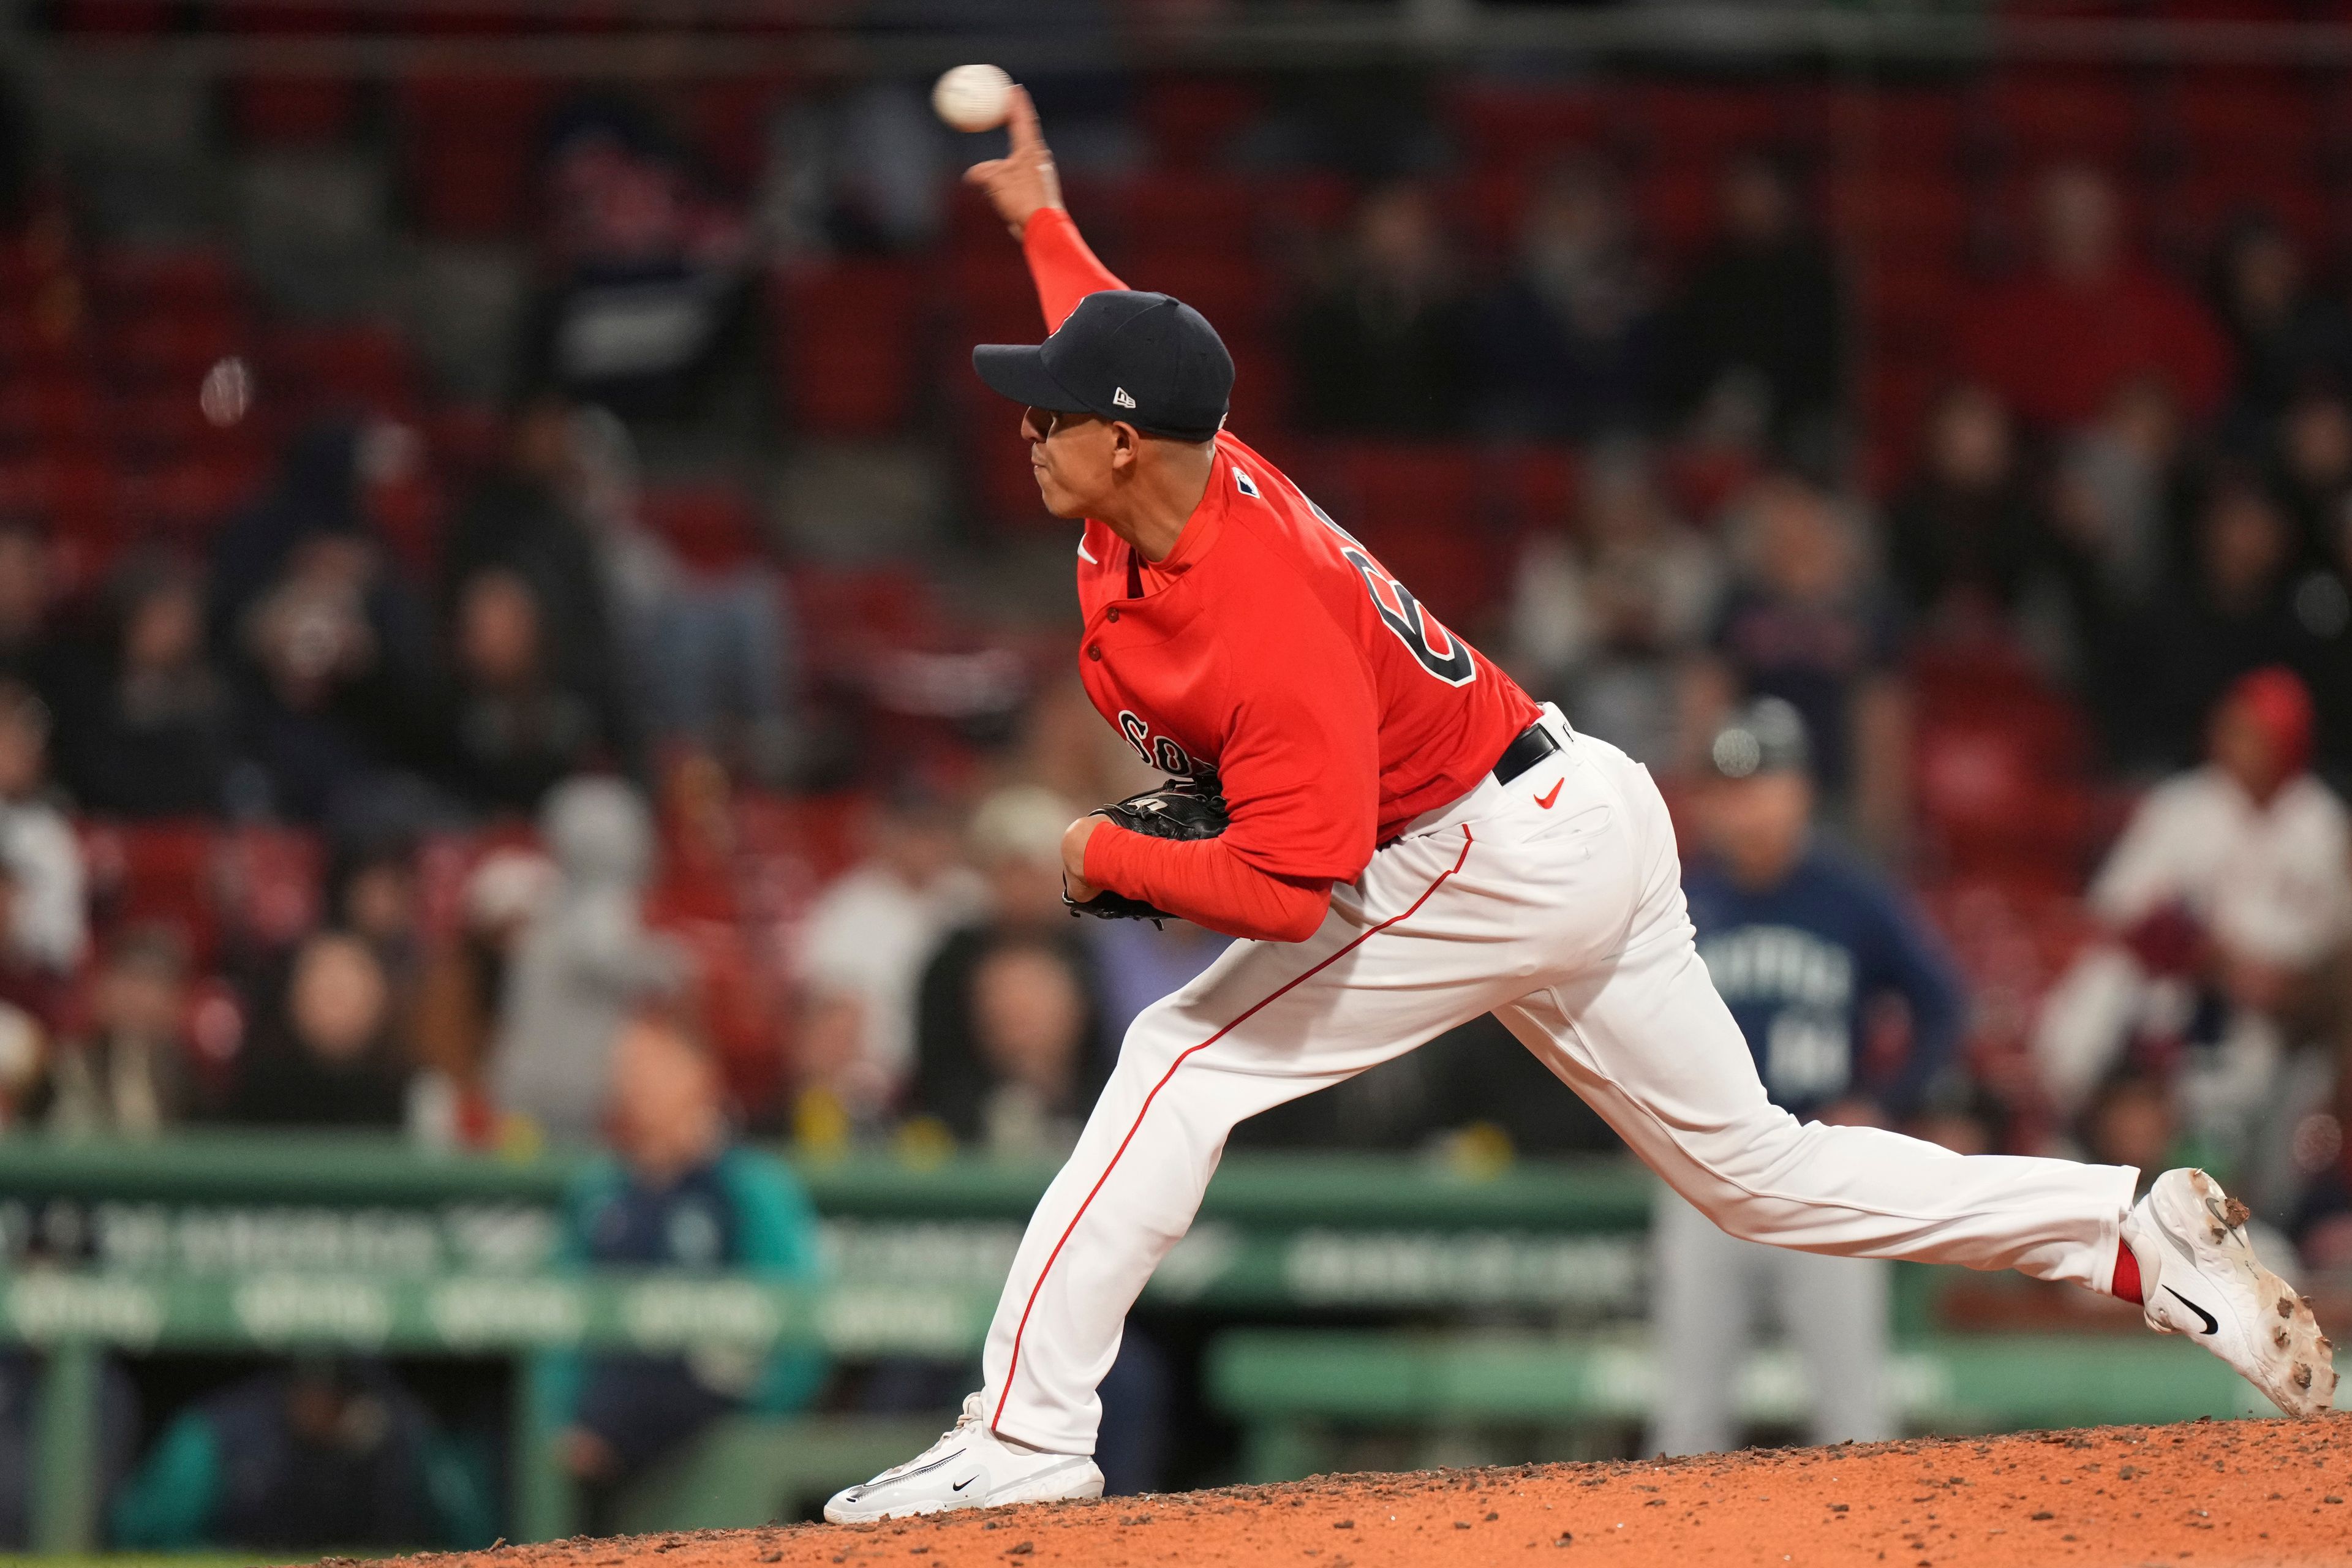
{"x": 1120, "y": 354}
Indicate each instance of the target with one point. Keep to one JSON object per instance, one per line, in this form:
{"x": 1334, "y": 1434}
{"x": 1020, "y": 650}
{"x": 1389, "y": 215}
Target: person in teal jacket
{"x": 319, "y": 1452}
{"x": 675, "y": 1191}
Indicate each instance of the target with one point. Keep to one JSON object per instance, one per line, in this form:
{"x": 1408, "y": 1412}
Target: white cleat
{"x": 969, "y": 1467}
{"x": 2199, "y": 1277}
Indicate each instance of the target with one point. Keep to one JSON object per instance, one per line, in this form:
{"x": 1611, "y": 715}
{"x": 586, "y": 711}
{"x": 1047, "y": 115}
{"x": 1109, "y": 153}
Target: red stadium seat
{"x": 711, "y": 526}
{"x": 1513, "y": 126}
{"x": 2228, "y": 117}
{"x": 1704, "y": 123}
{"x": 469, "y": 144}
{"x": 1192, "y": 120}
{"x": 849, "y": 343}
{"x": 364, "y": 366}
{"x": 42, "y": 414}
{"x": 181, "y": 280}
{"x": 172, "y": 348}
{"x": 155, "y": 873}
{"x": 2041, "y": 115}
{"x": 1182, "y": 215}
{"x": 293, "y": 111}
{"x": 1423, "y": 511}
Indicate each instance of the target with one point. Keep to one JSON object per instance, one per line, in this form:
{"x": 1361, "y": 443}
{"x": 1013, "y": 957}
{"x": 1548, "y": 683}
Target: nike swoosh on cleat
{"x": 2211, "y": 1327}
{"x": 958, "y": 1486}
{"x": 1551, "y": 794}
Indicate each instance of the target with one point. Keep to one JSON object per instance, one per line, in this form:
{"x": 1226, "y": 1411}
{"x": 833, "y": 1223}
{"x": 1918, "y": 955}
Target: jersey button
{"x": 1112, "y": 618}
{"x": 1094, "y": 650}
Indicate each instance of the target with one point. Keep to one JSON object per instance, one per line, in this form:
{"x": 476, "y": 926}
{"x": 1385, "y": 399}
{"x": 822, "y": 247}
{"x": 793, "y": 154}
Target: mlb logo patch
{"x": 1243, "y": 482}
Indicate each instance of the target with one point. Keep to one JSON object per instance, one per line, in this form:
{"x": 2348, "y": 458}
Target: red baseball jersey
{"x": 1332, "y": 706}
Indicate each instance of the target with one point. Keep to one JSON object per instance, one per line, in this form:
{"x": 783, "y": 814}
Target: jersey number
{"x": 1415, "y": 627}
{"x": 1439, "y": 653}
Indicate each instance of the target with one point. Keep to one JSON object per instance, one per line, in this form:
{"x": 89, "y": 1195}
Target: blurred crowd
{"x": 659, "y": 733}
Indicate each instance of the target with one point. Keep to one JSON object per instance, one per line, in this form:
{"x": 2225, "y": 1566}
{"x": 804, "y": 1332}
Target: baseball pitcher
{"x": 1405, "y": 840}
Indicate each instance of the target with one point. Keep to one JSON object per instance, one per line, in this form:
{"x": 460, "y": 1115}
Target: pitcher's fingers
{"x": 1022, "y": 124}
{"x": 981, "y": 173}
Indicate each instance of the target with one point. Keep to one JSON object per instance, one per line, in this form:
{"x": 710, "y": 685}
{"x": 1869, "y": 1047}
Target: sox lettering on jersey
{"x": 1157, "y": 751}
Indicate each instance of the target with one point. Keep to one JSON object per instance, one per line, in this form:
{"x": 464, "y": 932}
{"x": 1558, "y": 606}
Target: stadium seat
{"x": 1188, "y": 213}
{"x": 1508, "y": 126}
{"x": 353, "y": 367}
{"x": 1703, "y": 124}
{"x": 848, "y": 345}
{"x": 2041, "y": 115}
{"x": 1423, "y": 511}
{"x": 469, "y": 144}
{"x": 1192, "y": 120}
{"x": 711, "y": 526}
{"x": 293, "y": 111}
{"x": 170, "y": 348}
{"x": 191, "y": 280}
{"x": 155, "y": 873}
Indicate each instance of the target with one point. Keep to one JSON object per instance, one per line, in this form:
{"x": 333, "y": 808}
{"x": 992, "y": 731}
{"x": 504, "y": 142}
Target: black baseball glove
{"x": 1180, "y": 809}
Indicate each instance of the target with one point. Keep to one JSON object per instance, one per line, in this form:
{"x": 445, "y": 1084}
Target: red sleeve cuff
{"x": 1206, "y": 883}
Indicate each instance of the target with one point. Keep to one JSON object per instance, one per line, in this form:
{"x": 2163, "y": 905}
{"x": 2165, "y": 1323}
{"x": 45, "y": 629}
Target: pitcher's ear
{"x": 1126, "y": 442}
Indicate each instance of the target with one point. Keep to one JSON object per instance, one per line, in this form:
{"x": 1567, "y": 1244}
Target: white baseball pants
{"x": 1560, "y": 910}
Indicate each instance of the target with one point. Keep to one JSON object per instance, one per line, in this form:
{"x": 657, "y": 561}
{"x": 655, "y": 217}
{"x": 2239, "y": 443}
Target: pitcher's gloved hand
{"x": 1182, "y": 809}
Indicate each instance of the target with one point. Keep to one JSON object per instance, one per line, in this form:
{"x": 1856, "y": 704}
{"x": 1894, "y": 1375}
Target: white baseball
{"x": 973, "y": 97}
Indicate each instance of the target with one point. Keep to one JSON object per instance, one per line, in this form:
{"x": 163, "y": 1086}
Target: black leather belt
{"x": 1533, "y": 744}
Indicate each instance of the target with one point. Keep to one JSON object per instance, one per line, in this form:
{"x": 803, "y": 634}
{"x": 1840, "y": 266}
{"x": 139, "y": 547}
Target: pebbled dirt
{"x": 2272, "y": 1493}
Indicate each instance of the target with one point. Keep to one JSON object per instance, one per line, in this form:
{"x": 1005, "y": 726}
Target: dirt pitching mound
{"x": 2253, "y": 1492}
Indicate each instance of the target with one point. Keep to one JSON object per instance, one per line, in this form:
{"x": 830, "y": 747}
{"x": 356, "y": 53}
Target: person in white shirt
{"x": 48, "y": 926}
{"x": 861, "y": 956}
{"x": 2233, "y": 881}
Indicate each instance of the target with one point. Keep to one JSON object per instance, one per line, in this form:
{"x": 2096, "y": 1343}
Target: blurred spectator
{"x": 31, "y": 651}
{"x": 2058, "y": 341}
{"x": 1605, "y": 614}
{"x": 521, "y": 520}
{"x": 1134, "y": 964}
{"x": 514, "y": 727}
{"x": 2313, "y": 467}
{"x": 2132, "y": 1121}
{"x": 324, "y": 1053}
{"x": 1803, "y": 946}
{"x": 334, "y": 672}
{"x": 332, "y": 644}
{"x": 584, "y": 964}
{"x": 149, "y": 732}
{"x": 127, "y": 1073}
{"x": 1382, "y": 348}
{"x": 48, "y": 926}
{"x": 1805, "y": 621}
{"x": 1010, "y": 1044}
{"x": 676, "y": 1192}
{"x": 2287, "y": 337}
{"x": 1756, "y": 336}
{"x": 1966, "y": 545}
{"x": 648, "y": 267}
{"x": 297, "y": 1457}
{"x": 372, "y": 892}
{"x": 2230, "y": 887}
{"x": 2123, "y": 495}
{"x": 1568, "y": 344}
{"x": 2235, "y": 614}
{"x": 712, "y": 651}
{"x": 461, "y": 978}
{"x": 2323, "y": 612}
{"x": 864, "y": 172}
{"x": 862, "y": 952}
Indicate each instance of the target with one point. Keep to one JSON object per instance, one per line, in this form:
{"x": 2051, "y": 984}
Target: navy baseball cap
{"x": 1125, "y": 354}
